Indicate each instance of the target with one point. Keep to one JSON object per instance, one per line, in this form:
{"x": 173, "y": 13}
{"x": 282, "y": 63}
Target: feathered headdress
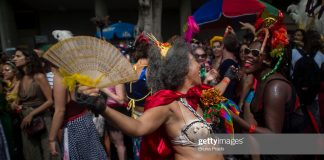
{"x": 164, "y": 47}
{"x": 274, "y": 27}
{"x": 141, "y": 38}
{"x": 190, "y": 28}
{"x": 61, "y": 35}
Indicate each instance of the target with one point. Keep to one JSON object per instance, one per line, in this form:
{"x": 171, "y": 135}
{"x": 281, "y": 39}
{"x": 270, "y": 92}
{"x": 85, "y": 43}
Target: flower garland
{"x": 216, "y": 106}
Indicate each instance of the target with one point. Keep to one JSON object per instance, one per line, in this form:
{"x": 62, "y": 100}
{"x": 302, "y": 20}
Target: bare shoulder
{"x": 39, "y": 76}
{"x": 278, "y": 87}
{"x": 172, "y": 107}
{"x": 161, "y": 109}
{"x": 278, "y": 80}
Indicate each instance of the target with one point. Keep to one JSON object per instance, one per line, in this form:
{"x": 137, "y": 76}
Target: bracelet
{"x": 226, "y": 81}
{"x": 51, "y": 140}
{"x": 252, "y": 128}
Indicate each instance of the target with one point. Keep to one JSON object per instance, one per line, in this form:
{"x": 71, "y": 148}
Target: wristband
{"x": 252, "y": 128}
{"x": 226, "y": 81}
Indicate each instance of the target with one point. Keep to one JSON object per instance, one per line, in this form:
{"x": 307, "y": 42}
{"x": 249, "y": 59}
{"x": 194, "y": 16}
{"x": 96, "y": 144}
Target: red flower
{"x": 279, "y": 37}
{"x": 258, "y": 23}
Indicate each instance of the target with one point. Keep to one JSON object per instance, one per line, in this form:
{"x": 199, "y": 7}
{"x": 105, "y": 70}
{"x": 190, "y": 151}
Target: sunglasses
{"x": 201, "y": 55}
{"x": 255, "y": 52}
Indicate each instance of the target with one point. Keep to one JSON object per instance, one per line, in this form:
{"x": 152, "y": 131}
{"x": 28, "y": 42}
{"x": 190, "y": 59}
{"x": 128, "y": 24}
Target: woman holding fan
{"x": 172, "y": 120}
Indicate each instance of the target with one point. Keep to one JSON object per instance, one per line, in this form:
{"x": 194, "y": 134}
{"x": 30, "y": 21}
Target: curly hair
{"x": 33, "y": 66}
{"x": 168, "y": 72}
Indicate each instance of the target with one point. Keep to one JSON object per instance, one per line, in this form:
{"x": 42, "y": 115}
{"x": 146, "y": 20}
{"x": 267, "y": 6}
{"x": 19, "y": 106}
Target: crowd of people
{"x": 160, "y": 116}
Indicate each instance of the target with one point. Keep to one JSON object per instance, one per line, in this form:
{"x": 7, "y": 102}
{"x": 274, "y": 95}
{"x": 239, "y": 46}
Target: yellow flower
{"x": 211, "y": 97}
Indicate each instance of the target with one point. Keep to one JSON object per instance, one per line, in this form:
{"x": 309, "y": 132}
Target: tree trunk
{"x": 157, "y": 18}
{"x": 185, "y": 11}
{"x": 8, "y": 32}
{"x": 149, "y": 17}
{"x": 144, "y": 16}
{"x": 101, "y": 8}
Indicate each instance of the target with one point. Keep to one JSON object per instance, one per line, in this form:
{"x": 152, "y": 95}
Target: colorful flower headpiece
{"x": 215, "y": 39}
{"x": 278, "y": 33}
{"x": 164, "y": 47}
{"x": 142, "y": 38}
{"x": 274, "y": 27}
{"x": 190, "y": 28}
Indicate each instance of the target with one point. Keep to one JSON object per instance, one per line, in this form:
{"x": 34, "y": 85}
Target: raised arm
{"x": 151, "y": 120}
{"x": 248, "y": 26}
{"x": 229, "y": 75}
{"x": 147, "y": 123}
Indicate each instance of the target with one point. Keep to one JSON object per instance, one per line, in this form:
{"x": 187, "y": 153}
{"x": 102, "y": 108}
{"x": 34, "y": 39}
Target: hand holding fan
{"x": 90, "y": 62}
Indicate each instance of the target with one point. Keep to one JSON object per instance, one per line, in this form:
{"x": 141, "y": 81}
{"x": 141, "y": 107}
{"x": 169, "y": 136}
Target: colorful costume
{"x": 158, "y": 145}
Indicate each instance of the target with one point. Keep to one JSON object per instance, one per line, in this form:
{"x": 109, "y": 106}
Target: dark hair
{"x": 199, "y": 47}
{"x": 141, "y": 49}
{"x": 168, "y": 72}
{"x": 303, "y": 33}
{"x": 33, "y": 65}
{"x": 313, "y": 42}
{"x": 232, "y": 44}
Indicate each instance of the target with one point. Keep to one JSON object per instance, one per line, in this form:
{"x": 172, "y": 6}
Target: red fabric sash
{"x": 157, "y": 145}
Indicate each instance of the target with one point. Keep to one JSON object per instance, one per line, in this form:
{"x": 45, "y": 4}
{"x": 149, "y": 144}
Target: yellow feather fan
{"x": 90, "y": 62}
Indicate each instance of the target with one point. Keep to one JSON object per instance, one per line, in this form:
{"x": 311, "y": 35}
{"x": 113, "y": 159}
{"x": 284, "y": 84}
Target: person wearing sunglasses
{"x": 208, "y": 74}
{"x": 246, "y": 85}
{"x": 200, "y": 55}
{"x": 273, "y": 92}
